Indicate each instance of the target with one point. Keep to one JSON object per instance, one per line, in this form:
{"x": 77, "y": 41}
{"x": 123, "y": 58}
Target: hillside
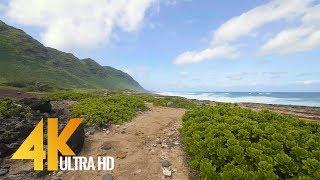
{"x": 25, "y": 62}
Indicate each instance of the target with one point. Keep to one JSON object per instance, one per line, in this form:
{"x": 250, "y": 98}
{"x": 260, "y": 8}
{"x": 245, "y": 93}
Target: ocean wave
{"x": 264, "y": 98}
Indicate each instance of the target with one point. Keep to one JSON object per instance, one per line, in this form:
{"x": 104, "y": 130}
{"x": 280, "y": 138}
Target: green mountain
{"x": 25, "y": 62}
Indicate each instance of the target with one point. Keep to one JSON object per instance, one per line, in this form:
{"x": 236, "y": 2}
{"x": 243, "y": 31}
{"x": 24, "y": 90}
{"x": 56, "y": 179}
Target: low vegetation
{"x": 72, "y": 95}
{"x": 229, "y": 142}
{"x": 8, "y": 108}
{"x": 102, "y": 110}
{"x": 177, "y": 102}
{"x": 101, "y": 106}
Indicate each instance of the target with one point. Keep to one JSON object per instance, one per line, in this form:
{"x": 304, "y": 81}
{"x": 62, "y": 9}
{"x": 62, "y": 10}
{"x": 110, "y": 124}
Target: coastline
{"x": 305, "y": 112}
{"x": 311, "y": 99}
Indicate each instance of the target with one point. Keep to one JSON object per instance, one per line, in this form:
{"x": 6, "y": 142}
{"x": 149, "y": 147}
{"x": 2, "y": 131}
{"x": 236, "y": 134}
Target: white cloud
{"x": 308, "y": 82}
{"x": 190, "y": 57}
{"x": 302, "y": 38}
{"x": 174, "y": 2}
{"x": 244, "y": 25}
{"x": 79, "y": 23}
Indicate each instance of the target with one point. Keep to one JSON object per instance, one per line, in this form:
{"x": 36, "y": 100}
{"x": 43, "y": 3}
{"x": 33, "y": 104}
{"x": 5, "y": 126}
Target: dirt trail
{"x": 137, "y": 141}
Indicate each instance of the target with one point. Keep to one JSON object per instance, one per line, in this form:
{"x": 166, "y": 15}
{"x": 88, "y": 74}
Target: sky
{"x": 185, "y": 45}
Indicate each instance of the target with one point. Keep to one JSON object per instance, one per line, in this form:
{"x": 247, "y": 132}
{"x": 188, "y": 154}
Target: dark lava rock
{"x": 37, "y": 104}
{"x": 3, "y": 172}
{"x": 40, "y": 174}
{"x": 77, "y": 139}
{"x": 106, "y": 146}
{"x": 107, "y": 177}
{"x": 166, "y": 163}
{"x": 4, "y": 150}
{"x": 15, "y": 129}
{"x": 25, "y": 130}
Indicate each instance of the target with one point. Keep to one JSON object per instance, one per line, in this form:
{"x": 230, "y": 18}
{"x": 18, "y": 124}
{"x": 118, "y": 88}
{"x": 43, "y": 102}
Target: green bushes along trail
{"x": 99, "y": 107}
{"x": 115, "y": 109}
{"x": 229, "y": 142}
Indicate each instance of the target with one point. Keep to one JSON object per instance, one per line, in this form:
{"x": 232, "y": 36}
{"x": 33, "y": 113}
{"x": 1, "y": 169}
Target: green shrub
{"x": 229, "y": 142}
{"x": 68, "y": 95}
{"x": 8, "y": 108}
{"x": 39, "y": 86}
{"x": 27, "y": 113}
{"x": 178, "y": 102}
{"x": 30, "y": 85}
{"x": 101, "y": 110}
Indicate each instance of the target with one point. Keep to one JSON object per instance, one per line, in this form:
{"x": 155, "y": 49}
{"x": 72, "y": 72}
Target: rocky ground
{"x": 305, "y": 112}
{"x": 309, "y": 113}
{"x": 14, "y": 93}
{"x": 148, "y": 147}
{"x": 15, "y": 128}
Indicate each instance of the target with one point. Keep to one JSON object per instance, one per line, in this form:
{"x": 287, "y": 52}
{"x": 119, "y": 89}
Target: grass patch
{"x": 229, "y": 142}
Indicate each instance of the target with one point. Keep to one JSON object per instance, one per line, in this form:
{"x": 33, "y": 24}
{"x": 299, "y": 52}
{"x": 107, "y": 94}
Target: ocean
{"x": 285, "y": 98}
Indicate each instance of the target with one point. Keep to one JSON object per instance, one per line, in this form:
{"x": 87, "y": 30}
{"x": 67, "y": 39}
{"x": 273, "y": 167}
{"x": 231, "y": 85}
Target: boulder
{"x": 170, "y": 104}
{"x": 166, "y": 163}
{"x": 37, "y": 104}
{"x": 166, "y": 171}
{"x": 107, "y": 177}
{"x": 3, "y": 172}
{"x": 77, "y": 139}
{"x": 4, "y": 150}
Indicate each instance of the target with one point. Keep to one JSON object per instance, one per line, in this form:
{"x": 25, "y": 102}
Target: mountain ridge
{"x": 24, "y": 61}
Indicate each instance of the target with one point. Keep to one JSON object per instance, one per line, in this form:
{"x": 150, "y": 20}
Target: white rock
{"x": 59, "y": 173}
{"x": 163, "y": 145}
{"x": 152, "y": 151}
{"x": 137, "y": 172}
{"x": 158, "y": 141}
{"x": 166, "y": 171}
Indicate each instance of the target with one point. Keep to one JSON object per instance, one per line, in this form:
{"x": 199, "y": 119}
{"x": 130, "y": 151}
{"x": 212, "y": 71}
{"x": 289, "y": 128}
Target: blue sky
{"x": 185, "y": 45}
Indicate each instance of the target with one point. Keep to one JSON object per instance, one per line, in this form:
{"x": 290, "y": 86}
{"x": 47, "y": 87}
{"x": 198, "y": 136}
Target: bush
{"x": 30, "y": 85}
{"x": 178, "y": 102}
{"x": 101, "y": 110}
{"x": 8, "y": 108}
{"x": 39, "y": 86}
{"x": 229, "y": 142}
{"x": 68, "y": 95}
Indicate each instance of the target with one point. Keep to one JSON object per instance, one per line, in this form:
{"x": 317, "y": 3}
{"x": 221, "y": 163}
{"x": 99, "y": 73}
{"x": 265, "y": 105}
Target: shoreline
{"x": 305, "y": 112}
{"x": 303, "y": 99}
